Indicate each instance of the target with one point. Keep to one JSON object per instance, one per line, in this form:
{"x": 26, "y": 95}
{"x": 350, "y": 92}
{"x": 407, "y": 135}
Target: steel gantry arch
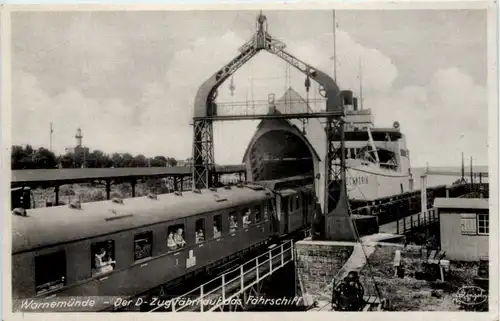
{"x": 205, "y": 112}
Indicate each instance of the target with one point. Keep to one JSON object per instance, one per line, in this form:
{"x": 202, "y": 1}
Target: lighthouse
{"x": 80, "y": 153}
{"x": 78, "y": 137}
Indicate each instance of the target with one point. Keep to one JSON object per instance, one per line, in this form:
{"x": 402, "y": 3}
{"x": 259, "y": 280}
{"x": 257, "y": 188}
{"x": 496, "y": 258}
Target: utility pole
{"x": 51, "y": 129}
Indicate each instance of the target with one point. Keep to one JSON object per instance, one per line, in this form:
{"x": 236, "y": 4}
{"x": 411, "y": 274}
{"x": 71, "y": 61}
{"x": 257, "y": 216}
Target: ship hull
{"x": 365, "y": 183}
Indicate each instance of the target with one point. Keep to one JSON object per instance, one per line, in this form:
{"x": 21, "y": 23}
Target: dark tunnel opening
{"x": 280, "y": 154}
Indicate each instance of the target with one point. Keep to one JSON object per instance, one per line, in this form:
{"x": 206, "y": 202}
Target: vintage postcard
{"x": 282, "y": 158}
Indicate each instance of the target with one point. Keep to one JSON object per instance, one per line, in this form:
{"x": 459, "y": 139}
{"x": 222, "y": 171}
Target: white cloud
{"x": 440, "y": 120}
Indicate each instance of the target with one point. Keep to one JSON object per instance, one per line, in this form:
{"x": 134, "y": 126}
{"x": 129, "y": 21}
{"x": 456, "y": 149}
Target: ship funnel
{"x": 355, "y": 103}
{"x": 346, "y": 97}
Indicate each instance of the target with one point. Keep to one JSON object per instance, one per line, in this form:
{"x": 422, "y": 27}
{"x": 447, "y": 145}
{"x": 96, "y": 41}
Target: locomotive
{"x": 123, "y": 247}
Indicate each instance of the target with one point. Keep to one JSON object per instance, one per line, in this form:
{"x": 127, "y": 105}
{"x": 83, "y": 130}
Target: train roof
{"x": 53, "y": 225}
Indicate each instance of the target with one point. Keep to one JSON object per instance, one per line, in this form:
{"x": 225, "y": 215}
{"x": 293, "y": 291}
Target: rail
{"x": 416, "y": 220}
{"x": 456, "y": 173}
{"x": 406, "y": 224}
{"x": 226, "y": 288}
{"x": 258, "y": 107}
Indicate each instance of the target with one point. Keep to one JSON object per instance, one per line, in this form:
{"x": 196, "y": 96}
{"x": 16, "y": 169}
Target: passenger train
{"x": 124, "y": 247}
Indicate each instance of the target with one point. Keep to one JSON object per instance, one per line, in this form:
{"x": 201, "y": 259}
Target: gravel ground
{"x": 408, "y": 293}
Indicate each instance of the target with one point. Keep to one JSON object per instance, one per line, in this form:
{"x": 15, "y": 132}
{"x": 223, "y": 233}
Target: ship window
{"x": 483, "y": 224}
{"x": 217, "y": 226}
{"x": 103, "y": 257}
{"x": 247, "y": 217}
{"x": 200, "y": 231}
{"x": 143, "y": 245}
{"x": 175, "y": 238}
{"x": 50, "y": 272}
{"x": 257, "y": 214}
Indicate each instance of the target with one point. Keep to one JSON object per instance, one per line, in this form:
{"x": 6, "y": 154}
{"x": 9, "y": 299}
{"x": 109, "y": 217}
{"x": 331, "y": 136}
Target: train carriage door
{"x": 305, "y": 207}
{"x": 286, "y": 213}
{"x": 283, "y": 215}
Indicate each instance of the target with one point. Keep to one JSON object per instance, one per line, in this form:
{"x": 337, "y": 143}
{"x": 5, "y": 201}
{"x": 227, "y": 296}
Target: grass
{"x": 93, "y": 193}
{"x": 97, "y": 192}
{"x": 408, "y": 293}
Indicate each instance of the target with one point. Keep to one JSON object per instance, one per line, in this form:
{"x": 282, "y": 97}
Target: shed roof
{"x": 462, "y": 203}
{"x": 24, "y": 177}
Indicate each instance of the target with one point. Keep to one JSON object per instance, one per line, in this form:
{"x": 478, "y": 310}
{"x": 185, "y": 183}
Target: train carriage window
{"x": 233, "y": 221}
{"x": 257, "y": 214}
{"x": 290, "y": 204}
{"x": 143, "y": 245}
{"x": 175, "y": 238}
{"x": 50, "y": 272}
{"x": 103, "y": 257}
{"x": 200, "y": 231}
{"x": 247, "y": 217}
{"x": 297, "y": 202}
{"x": 217, "y": 226}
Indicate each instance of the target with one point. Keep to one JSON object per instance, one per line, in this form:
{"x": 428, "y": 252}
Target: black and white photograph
{"x": 251, "y": 160}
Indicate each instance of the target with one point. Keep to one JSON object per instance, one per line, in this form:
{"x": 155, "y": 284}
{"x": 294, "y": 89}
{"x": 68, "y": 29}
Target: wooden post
{"x": 397, "y": 219}
{"x": 176, "y": 183}
{"x": 56, "y": 190}
{"x": 133, "y": 182}
{"x": 108, "y": 189}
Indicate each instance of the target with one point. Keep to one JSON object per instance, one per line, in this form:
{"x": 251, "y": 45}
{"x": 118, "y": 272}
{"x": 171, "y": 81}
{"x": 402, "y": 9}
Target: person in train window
{"x": 246, "y": 219}
{"x": 170, "y": 242}
{"x": 216, "y": 231}
{"x": 103, "y": 265}
{"x": 199, "y": 236}
{"x": 178, "y": 238}
{"x": 233, "y": 225}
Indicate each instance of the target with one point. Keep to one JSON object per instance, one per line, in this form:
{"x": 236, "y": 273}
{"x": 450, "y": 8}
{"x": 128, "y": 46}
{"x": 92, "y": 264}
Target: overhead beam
{"x": 273, "y": 116}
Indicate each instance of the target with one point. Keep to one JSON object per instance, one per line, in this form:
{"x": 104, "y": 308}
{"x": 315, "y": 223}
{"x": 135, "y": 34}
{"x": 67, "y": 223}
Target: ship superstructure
{"x": 377, "y": 159}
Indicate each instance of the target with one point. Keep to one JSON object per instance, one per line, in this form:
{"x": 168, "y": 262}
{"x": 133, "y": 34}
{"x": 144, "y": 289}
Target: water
{"x": 436, "y": 180}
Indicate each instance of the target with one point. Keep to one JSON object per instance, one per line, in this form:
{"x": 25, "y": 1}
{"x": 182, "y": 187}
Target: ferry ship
{"x": 377, "y": 159}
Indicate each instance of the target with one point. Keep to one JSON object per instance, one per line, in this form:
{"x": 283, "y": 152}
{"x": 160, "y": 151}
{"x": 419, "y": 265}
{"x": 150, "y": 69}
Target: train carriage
{"x": 54, "y": 249}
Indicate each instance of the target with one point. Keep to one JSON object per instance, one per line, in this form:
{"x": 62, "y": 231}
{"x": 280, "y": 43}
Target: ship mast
{"x": 334, "y": 47}
{"x": 360, "y": 85}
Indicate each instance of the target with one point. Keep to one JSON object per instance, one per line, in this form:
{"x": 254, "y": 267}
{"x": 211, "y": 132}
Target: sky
{"x": 128, "y": 79}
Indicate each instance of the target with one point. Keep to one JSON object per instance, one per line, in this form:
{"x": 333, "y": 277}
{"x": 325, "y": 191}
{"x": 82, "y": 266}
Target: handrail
{"x": 253, "y": 272}
{"x": 416, "y": 220}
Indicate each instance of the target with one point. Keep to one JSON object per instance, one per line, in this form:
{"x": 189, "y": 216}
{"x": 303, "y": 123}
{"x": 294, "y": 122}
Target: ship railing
{"x": 226, "y": 288}
{"x": 261, "y": 107}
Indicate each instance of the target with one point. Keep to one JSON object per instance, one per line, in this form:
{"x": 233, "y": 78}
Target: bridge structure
{"x": 232, "y": 291}
{"x": 334, "y": 223}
